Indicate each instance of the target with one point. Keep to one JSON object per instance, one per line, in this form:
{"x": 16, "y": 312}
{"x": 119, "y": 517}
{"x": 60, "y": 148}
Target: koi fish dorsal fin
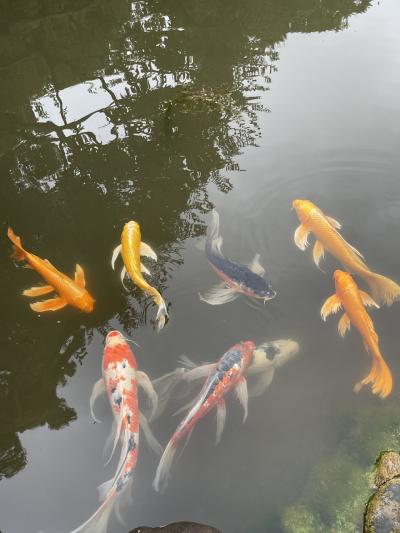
{"x": 344, "y": 325}
{"x": 221, "y": 417}
{"x": 301, "y": 237}
{"x": 50, "y": 265}
{"x": 330, "y": 306}
{"x": 367, "y": 300}
{"x": 38, "y": 291}
{"x": 147, "y": 251}
{"x": 334, "y": 223}
{"x": 18, "y": 253}
{"x": 256, "y": 267}
{"x": 54, "y": 304}
{"x": 80, "y": 276}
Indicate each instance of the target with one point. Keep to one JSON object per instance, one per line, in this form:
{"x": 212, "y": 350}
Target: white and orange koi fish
{"x": 70, "y": 292}
{"x": 227, "y": 374}
{"x": 131, "y": 248}
{"x": 353, "y": 301}
{"x": 120, "y": 380}
{"x": 325, "y": 230}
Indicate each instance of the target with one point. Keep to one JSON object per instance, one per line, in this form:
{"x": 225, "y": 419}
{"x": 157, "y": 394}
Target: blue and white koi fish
{"x": 227, "y": 374}
{"x": 120, "y": 381}
{"x": 236, "y": 279}
{"x": 267, "y": 357}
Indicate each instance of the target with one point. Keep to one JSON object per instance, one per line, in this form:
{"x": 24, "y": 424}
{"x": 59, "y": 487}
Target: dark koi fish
{"x": 236, "y": 279}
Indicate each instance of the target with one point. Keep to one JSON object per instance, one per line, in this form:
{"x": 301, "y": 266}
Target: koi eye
{"x": 271, "y": 352}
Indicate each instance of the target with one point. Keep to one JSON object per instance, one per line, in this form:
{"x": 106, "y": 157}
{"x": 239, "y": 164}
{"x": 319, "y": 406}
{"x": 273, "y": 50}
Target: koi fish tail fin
{"x": 380, "y": 378}
{"x": 162, "y": 315}
{"x": 98, "y": 522}
{"x": 164, "y": 466}
{"x": 18, "y": 253}
{"x": 214, "y": 239}
{"x": 383, "y": 290}
{"x": 164, "y": 387}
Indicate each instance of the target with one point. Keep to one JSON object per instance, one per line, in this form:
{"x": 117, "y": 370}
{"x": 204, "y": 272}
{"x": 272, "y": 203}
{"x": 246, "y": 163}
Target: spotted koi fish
{"x": 120, "y": 381}
{"x": 227, "y": 374}
{"x": 236, "y": 279}
{"x": 70, "y": 291}
{"x": 266, "y": 359}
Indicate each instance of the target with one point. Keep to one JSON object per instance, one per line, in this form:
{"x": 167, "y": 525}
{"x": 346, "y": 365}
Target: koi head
{"x": 342, "y": 279}
{"x": 275, "y": 353}
{"x": 303, "y": 209}
{"x": 115, "y": 337}
{"x": 85, "y": 303}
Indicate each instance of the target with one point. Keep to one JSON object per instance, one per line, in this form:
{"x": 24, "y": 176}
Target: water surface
{"x": 285, "y": 99}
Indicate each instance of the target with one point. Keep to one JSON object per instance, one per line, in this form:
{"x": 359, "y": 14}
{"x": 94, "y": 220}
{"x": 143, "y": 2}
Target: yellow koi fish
{"x": 353, "y": 301}
{"x": 131, "y": 248}
{"x": 71, "y": 292}
{"x": 324, "y": 229}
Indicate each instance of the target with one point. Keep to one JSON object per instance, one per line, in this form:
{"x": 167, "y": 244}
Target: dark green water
{"x": 284, "y": 99}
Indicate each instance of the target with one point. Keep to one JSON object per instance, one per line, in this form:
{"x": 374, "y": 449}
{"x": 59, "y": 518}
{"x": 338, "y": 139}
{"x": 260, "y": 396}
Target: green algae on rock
{"x": 383, "y": 511}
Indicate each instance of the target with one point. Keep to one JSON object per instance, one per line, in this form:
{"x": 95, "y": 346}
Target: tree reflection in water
{"x": 113, "y": 111}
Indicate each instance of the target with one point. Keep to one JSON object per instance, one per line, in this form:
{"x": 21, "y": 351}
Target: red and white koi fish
{"x": 227, "y": 374}
{"x": 70, "y": 291}
{"x": 120, "y": 381}
{"x": 266, "y": 359}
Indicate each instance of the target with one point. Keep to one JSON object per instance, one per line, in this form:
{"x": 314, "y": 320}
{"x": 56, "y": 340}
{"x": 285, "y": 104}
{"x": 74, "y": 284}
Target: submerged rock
{"x": 383, "y": 509}
{"x": 178, "y": 527}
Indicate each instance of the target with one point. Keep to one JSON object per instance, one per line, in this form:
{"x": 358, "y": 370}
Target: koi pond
{"x": 199, "y": 121}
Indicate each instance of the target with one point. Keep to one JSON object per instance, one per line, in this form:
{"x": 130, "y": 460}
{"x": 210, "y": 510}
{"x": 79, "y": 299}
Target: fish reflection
{"x": 71, "y": 292}
{"x": 227, "y": 374}
{"x": 131, "y": 248}
{"x": 266, "y": 358}
{"x": 324, "y": 228}
{"x": 120, "y": 380}
{"x": 237, "y": 279}
{"x": 354, "y": 301}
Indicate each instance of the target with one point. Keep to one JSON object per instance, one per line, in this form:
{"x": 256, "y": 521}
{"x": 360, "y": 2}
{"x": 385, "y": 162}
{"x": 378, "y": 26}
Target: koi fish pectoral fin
{"x": 38, "y": 291}
{"x": 344, "y": 324}
{"x": 117, "y": 435}
{"x": 115, "y": 254}
{"x": 98, "y": 389}
{"x": 144, "y": 269}
{"x": 301, "y": 237}
{"x": 243, "y": 396}
{"x": 220, "y": 294}
{"x": 367, "y": 300}
{"x": 123, "y": 274}
{"x": 221, "y": 417}
{"x": 198, "y": 372}
{"x": 318, "y": 253}
{"x": 80, "y": 276}
{"x": 256, "y": 267}
{"x": 331, "y": 305}
{"x": 262, "y": 383}
{"x": 144, "y": 382}
{"x": 147, "y": 251}
{"x": 148, "y": 435}
{"x": 53, "y": 304}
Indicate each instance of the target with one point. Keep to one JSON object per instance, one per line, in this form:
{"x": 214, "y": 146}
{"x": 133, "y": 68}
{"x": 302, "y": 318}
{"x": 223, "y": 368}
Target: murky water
{"x": 283, "y": 99}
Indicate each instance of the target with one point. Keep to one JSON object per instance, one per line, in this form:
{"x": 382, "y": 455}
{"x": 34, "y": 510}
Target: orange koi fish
{"x": 70, "y": 292}
{"x": 131, "y": 248}
{"x": 353, "y": 300}
{"x": 324, "y": 229}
